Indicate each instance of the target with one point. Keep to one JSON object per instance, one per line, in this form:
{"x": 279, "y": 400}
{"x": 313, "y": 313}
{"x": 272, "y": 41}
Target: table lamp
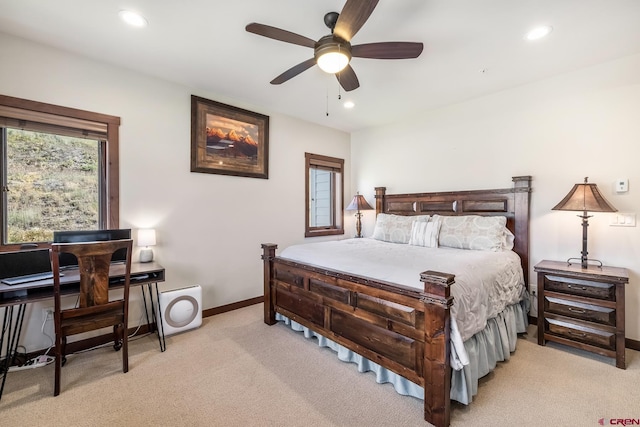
{"x": 360, "y": 204}
{"x": 146, "y": 238}
{"x": 584, "y": 197}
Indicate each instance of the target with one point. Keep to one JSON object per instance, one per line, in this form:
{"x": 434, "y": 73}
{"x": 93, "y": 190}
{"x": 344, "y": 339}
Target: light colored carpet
{"x": 237, "y": 371}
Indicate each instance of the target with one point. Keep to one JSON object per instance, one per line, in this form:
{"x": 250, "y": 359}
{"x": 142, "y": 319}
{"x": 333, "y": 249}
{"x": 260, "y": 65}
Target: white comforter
{"x": 485, "y": 282}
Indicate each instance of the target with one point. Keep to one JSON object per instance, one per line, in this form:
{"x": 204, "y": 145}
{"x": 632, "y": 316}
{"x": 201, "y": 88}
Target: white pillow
{"x": 425, "y": 233}
{"x": 482, "y": 233}
{"x": 395, "y": 228}
{"x": 509, "y": 238}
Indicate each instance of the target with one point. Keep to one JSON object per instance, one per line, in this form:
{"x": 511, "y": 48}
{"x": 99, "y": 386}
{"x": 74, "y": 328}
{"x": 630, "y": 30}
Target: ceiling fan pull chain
{"x": 327, "y": 98}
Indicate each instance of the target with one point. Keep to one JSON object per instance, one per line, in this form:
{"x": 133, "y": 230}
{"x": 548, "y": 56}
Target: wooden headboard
{"x": 512, "y": 203}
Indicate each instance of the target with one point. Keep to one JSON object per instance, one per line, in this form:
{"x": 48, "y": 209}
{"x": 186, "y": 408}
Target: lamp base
{"x": 146, "y": 255}
{"x": 358, "y": 225}
{"x": 585, "y": 262}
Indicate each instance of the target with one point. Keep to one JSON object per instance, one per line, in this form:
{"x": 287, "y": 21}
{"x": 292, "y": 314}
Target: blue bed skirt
{"x": 493, "y": 344}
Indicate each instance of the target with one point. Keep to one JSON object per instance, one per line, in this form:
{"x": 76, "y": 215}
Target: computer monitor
{"x": 78, "y": 236}
{"x": 23, "y": 263}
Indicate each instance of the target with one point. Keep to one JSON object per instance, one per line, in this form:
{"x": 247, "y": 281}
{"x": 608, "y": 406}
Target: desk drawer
{"x": 585, "y": 288}
{"x": 579, "y": 310}
{"x": 575, "y": 332}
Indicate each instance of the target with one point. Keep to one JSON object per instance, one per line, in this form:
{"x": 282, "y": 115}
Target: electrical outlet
{"x": 533, "y": 289}
{"x": 47, "y": 314}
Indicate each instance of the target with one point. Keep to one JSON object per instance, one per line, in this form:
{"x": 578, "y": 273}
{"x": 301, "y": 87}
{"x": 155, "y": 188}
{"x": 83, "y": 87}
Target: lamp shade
{"x": 359, "y": 203}
{"x": 584, "y": 197}
{"x": 146, "y": 237}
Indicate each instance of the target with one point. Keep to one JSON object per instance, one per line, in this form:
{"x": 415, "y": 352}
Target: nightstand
{"x": 582, "y": 307}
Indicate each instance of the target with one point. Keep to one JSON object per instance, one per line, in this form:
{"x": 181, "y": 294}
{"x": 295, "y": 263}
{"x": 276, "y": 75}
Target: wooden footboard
{"x": 402, "y": 329}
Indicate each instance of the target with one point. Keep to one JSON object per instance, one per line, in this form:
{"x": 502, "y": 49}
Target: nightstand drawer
{"x": 579, "y": 310}
{"x": 585, "y": 288}
{"x": 574, "y": 332}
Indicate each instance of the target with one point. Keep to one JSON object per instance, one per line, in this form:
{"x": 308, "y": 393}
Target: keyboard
{"x": 26, "y": 279}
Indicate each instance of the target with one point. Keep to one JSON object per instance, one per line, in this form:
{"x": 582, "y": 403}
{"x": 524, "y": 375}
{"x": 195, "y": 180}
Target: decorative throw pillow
{"x": 395, "y": 228}
{"x": 482, "y": 233}
{"x": 425, "y": 233}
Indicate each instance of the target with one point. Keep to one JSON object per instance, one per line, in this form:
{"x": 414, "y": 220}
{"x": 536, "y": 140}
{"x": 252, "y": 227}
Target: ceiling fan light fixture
{"x": 332, "y": 56}
{"x": 333, "y": 62}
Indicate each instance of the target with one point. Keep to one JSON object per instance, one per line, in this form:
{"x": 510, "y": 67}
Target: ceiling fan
{"x": 333, "y": 52}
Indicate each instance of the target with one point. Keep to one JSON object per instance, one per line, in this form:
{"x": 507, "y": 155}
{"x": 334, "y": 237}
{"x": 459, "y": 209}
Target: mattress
{"x": 485, "y": 282}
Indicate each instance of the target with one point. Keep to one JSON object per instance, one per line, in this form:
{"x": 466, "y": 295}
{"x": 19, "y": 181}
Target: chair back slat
{"x": 94, "y": 279}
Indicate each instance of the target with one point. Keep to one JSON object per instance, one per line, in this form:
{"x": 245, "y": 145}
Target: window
{"x": 324, "y": 205}
{"x": 59, "y": 171}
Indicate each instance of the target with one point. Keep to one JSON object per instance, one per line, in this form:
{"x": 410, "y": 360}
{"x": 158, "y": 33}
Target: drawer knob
{"x": 583, "y": 288}
{"x": 577, "y": 310}
{"x": 577, "y": 334}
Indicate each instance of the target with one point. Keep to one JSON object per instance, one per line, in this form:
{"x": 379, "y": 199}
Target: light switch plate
{"x": 619, "y": 219}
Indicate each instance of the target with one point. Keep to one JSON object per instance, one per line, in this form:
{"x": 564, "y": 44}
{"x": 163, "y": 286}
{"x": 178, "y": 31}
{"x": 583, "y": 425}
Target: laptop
{"x": 25, "y": 266}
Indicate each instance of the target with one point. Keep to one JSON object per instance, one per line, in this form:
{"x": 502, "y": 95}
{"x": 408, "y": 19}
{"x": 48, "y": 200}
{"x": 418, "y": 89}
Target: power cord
{"x": 45, "y": 359}
{"x": 44, "y": 322}
{"x": 19, "y": 357}
{"x": 34, "y": 362}
{"x": 142, "y": 314}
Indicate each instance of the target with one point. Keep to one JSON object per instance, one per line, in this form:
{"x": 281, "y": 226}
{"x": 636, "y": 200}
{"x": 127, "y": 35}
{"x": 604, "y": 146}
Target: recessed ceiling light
{"x": 349, "y": 104}
{"x": 132, "y": 18}
{"x": 539, "y": 32}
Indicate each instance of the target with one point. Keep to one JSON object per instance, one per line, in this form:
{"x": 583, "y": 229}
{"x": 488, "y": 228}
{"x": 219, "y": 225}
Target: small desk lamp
{"x": 146, "y": 238}
{"x": 584, "y": 197}
{"x": 358, "y": 203}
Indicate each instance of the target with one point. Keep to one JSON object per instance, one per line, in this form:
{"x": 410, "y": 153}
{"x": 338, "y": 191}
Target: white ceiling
{"x": 203, "y": 44}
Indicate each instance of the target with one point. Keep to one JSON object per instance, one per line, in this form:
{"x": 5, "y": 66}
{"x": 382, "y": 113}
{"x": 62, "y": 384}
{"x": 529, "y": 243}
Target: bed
{"x": 402, "y": 328}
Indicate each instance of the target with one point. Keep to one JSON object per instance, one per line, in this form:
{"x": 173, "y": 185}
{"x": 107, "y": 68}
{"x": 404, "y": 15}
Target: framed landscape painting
{"x": 228, "y": 140}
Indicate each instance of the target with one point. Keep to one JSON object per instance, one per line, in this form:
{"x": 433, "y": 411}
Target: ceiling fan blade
{"x": 294, "y": 71}
{"x": 348, "y": 79}
{"x": 387, "y": 50}
{"x": 279, "y": 34}
{"x": 353, "y": 16}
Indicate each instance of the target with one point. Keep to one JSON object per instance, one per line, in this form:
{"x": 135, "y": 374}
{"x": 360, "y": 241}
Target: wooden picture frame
{"x": 228, "y": 140}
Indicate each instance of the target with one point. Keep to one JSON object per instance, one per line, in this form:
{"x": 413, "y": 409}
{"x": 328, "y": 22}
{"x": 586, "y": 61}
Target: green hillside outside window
{"x": 52, "y": 183}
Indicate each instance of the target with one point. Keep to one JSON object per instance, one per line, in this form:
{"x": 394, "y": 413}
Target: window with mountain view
{"x": 52, "y": 183}
{"x": 58, "y": 169}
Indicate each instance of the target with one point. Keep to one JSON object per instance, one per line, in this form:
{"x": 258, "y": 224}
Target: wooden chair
{"x": 94, "y": 310}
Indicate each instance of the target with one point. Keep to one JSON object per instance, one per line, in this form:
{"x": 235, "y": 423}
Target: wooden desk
{"x": 142, "y": 274}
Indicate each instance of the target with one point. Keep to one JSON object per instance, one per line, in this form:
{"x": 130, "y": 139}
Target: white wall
{"x": 209, "y": 226}
{"x": 586, "y": 123}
